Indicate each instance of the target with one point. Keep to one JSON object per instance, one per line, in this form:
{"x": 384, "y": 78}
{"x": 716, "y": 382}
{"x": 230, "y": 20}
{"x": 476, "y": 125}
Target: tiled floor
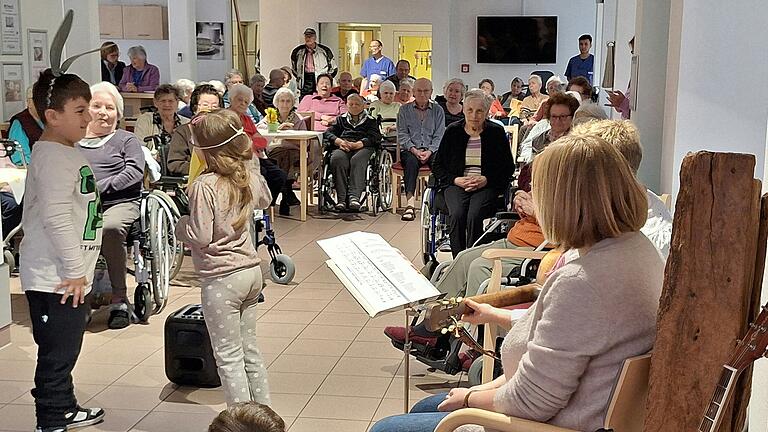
{"x": 331, "y": 367}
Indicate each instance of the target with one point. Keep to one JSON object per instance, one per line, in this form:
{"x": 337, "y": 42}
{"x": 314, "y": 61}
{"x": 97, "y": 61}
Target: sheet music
{"x": 375, "y": 273}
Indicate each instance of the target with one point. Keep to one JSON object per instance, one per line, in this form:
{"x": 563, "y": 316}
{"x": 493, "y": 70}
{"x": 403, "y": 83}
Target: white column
{"x": 181, "y": 40}
{"x": 83, "y": 38}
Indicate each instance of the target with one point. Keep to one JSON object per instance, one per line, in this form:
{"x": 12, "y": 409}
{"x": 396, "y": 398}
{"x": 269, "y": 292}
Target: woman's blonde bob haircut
{"x": 585, "y": 192}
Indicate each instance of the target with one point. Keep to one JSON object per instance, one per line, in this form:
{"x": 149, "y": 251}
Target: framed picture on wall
{"x": 13, "y": 91}
{"x": 210, "y": 40}
{"x": 37, "y": 44}
{"x": 10, "y": 34}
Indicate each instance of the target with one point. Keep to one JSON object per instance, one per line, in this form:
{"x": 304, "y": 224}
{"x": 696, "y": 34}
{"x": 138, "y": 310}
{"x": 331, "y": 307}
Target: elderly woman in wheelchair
{"x": 474, "y": 165}
{"x": 118, "y": 165}
{"x": 352, "y": 140}
{"x": 562, "y": 356}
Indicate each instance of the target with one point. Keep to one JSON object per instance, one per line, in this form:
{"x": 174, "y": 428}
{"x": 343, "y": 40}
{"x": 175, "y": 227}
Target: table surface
{"x": 143, "y": 95}
{"x": 292, "y": 134}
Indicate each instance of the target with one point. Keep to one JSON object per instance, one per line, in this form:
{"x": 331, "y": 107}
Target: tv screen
{"x": 517, "y": 39}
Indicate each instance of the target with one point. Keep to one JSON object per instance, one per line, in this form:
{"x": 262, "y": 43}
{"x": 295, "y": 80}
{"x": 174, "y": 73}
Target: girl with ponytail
{"x": 222, "y": 200}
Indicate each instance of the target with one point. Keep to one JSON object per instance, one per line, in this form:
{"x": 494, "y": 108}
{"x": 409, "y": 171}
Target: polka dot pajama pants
{"x": 229, "y": 306}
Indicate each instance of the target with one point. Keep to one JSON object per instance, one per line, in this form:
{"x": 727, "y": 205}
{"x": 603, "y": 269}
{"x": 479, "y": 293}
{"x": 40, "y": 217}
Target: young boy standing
{"x": 62, "y": 221}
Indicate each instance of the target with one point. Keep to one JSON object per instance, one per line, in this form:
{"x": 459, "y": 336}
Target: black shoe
{"x": 290, "y": 199}
{"x": 82, "y": 417}
{"x": 285, "y": 209}
{"x": 340, "y": 207}
{"x": 51, "y": 429}
{"x": 354, "y": 205}
{"x": 118, "y": 318}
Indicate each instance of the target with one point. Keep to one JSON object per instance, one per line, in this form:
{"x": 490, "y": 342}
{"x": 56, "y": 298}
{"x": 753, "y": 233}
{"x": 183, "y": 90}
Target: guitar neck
{"x": 510, "y": 297}
{"x": 714, "y": 412}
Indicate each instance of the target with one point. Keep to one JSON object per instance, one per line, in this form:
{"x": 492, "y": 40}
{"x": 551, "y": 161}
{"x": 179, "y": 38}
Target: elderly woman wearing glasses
{"x": 560, "y": 113}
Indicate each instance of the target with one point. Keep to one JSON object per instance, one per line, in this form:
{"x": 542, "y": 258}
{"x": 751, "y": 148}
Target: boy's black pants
{"x": 58, "y": 331}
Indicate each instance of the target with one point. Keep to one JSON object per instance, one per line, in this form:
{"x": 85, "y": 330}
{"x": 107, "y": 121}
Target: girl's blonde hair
{"x": 585, "y": 192}
{"x": 230, "y": 161}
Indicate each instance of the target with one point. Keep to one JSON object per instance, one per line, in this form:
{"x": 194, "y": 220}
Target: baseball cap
{"x": 310, "y": 31}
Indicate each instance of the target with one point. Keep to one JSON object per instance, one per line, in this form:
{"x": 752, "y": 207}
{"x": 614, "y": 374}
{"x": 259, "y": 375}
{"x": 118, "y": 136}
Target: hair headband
{"x": 237, "y": 133}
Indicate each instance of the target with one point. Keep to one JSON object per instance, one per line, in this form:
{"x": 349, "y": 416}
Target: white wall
{"x": 86, "y": 17}
{"x": 576, "y": 17}
{"x": 158, "y": 52}
{"x": 181, "y": 40}
{"x": 43, "y": 15}
{"x": 217, "y": 11}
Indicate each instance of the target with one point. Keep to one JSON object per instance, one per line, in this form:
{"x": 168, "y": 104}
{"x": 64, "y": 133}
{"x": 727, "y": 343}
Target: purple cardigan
{"x": 150, "y": 79}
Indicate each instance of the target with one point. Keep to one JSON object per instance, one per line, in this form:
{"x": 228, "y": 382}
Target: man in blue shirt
{"x": 377, "y": 64}
{"x": 582, "y": 64}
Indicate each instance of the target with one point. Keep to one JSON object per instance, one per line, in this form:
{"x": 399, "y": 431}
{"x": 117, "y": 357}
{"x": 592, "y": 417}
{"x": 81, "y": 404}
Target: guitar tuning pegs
{"x": 444, "y": 330}
{"x": 451, "y": 328}
{"x": 460, "y": 324}
{"x": 459, "y": 299}
{"x": 445, "y": 302}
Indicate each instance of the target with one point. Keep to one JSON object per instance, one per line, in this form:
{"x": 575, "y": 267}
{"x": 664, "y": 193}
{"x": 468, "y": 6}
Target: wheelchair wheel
{"x": 10, "y": 260}
{"x": 326, "y": 192}
{"x": 281, "y": 269}
{"x": 142, "y": 303}
{"x": 178, "y": 257}
{"x": 162, "y": 243}
{"x": 385, "y": 180}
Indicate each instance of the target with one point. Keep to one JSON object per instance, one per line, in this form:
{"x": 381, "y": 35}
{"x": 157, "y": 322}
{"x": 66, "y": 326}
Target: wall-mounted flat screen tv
{"x": 517, "y": 39}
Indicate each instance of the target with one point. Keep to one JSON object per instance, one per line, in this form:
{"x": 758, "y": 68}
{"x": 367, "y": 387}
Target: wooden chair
{"x": 4, "y": 128}
{"x": 398, "y": 173}
{"x": 625, "y": 411}
{"x": 667, "y": 200}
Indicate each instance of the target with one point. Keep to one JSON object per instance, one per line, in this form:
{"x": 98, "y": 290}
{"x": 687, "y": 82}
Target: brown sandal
{"x": 409, "y": 214}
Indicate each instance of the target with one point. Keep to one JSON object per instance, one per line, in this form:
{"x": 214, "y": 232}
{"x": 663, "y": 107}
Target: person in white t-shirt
{"x": 62, "y": 221}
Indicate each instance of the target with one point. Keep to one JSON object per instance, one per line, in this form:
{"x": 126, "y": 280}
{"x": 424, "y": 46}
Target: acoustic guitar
{"x": 750, "y": 348}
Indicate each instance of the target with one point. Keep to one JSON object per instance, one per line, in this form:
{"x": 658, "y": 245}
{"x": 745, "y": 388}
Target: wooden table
{"x": 133, "y": 102}
{"x": 303, "y": 138}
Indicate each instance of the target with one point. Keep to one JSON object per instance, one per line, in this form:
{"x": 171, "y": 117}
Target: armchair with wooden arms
{"x": 630, "y": 390}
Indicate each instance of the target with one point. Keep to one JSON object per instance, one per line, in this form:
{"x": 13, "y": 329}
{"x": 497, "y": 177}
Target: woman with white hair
{"x": 234, "y": 77}
{"x": 117, "y": 161}
{"x": 286, "y": 152}
{"x": 554, "y": 85}
{"x": 371, "y": 94}
{"x": 474, "y": 165}
{"x": 450, "y": 101}
{"x": 405, "y": 92}
{"x": 139, "y": 76}
{"x": 531, "y": 103}
{"x": 184, "y": 87}
{"x": 241, "y": 97}
{"x": 387, "y": 108}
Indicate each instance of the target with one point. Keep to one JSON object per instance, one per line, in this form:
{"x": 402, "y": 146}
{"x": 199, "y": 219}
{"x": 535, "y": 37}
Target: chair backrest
{"x": 309, "y": 119}
{"x": 626, "y": 408}
{"x": 4, "y": 128}
{"x": 513, "y": 132}
{"x": 667, "y": 200}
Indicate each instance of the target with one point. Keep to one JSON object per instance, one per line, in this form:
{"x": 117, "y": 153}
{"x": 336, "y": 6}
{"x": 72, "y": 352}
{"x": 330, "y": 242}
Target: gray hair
{"x": 230, "y": 74}
{"x": 218, "y": 85}
{"x": 535, "y": 78}
{"x": 454, "y": 81}
{"x": 185, "y": 87}
{"x": 111, "y": 90}
{"x": 258, "y": 78}
{"x": 137, "y": 51}
{"x": 375, "y": 77}
{"x": 387, "y": 85}
{"x": 410, "y": 82}
{"x": 284, "y": 91}
{"x": 356, "y": 96}
{"x": 479, "y": 94}
{"x": 241, "y": 89}
{"x": 575, "y": 95}
{"x": 588, "y": 112}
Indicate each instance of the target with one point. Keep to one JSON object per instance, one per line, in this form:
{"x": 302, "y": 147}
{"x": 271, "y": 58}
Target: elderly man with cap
{"x": 310, "y": 60}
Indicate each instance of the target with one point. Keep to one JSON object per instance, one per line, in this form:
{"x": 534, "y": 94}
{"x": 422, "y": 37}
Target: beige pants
{"x": 469, "y": 269}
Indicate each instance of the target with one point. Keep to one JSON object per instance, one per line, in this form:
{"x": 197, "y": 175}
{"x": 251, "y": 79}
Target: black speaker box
{"x": 189, "y": 359}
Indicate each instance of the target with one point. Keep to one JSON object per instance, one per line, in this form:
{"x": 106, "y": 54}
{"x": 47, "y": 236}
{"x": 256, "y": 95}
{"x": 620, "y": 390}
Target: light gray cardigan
{"x": 563, "y": 356}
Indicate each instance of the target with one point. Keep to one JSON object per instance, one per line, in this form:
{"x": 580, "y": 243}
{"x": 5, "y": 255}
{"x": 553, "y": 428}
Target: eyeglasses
{"x": 559, "y": 117}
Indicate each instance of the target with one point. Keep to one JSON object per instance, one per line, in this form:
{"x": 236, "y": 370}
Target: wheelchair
{"x": 281, "y": 266}
{"x": 377, "y": 195}
{"x": 10, "y": 244}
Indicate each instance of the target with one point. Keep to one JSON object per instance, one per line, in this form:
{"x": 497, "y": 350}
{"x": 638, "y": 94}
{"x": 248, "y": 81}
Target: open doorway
{"x": 350, "y": 41}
